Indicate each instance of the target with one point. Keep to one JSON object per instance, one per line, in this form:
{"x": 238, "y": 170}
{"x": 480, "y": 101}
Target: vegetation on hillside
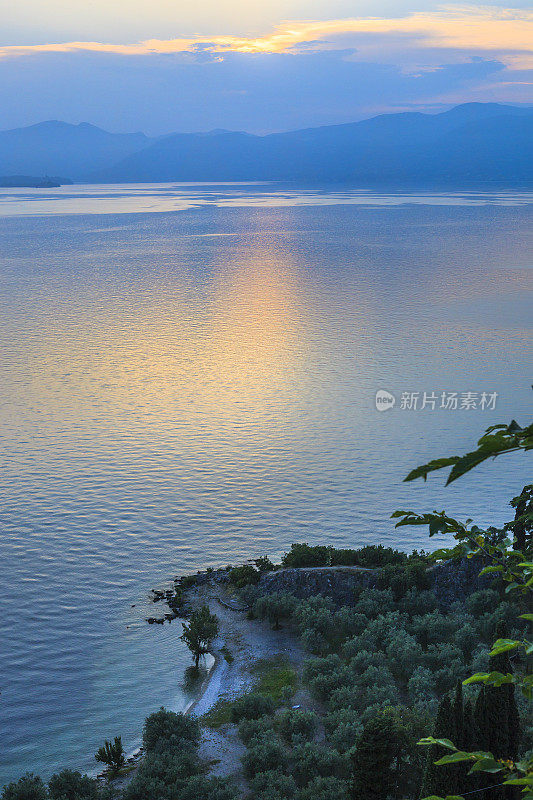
{"x": 386, "y": 668}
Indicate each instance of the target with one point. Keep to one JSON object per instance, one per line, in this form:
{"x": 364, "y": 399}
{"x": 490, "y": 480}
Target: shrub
{"x": 200, "y": 787}
{"x": 433, "y": 628}
{"x": 273, "y": 785}
{"x": 244, "y": 576}
{"x": 251, "y": 706}
{"x": 311, "y": 760}
{"x": 274, "y": 607}
{"x": 70, "y": 785}
{"x": 421, "y": 686}
{"x": 372, "y": 556}
{"x": 265, "y": 755}
{"x": 361, "y": 660}
{"x": 324, "y": 788}
{"x": 401, "y": 578}
{"x": 343, "y": 728}
{"x": 168, "y": 729}
{"x": 250, "y": 729}
{"x": 404, "y": 654}
{"x": 292, "y": 723}
{"x": 349, "y": 622}
{"x": 264, "y": 564}
{"x": 418, "y": 602}
{"x": 161, "y": 772}
{"x": 303, "y": 555}
{"x": 481, "y": 602}
{"x": 373, "y": 602}
{"x": 465, "y": 638}
{"x": 29, "y": 787}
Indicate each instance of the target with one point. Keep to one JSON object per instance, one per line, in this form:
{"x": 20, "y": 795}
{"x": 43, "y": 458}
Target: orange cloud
{"x": 507, "y": 32}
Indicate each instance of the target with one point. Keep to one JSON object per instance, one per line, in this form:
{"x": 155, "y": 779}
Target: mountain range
{"x": 471, "y": 144}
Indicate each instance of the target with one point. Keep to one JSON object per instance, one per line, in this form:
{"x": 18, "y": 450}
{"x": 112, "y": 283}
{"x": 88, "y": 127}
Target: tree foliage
{"x": 112, "y": 755}
{"x": 504, "y": 554}
{"x": 200, "y": 632}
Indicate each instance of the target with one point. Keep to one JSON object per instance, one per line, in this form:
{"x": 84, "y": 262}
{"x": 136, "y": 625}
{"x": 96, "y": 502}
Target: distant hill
{"x": 27, "y": 181}
{"x": 472, "y": 144}
{"x": 58, "y": 148}
{"x": 469, "y": 144}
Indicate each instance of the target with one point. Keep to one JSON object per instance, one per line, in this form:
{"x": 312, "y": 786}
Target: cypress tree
{"x": 440, "y": 780}
{"x": 457, "y": 707}
{"x": 377, "y": 757}
{"x": 497, "y": 724}
{"x": 469, "y": 734}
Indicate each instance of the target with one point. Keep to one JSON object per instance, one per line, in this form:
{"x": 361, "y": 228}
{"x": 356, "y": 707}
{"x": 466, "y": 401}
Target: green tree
{"x": 171, "y": 730}
{"x": 70, "y": 785}
{"x": 437, "y": 780}
{"x": 112, "y": 755}
{"x": 379, "y": 758}
{"x": 274, "y": 607}
{"x": 29, "y": 787}
{"x": 502, "y": 555}
{"x": 199, "y": 634}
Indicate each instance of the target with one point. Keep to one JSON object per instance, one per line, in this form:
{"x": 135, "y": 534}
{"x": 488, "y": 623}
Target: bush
{"x": 404, "y": 654}
{"x": 311, "y": 760}
{"x": 303, "y": 555}
{"x": 294, "y": 723}
{"x": 200, "y": 787}
{"x": 481, "y": 602}
{"x": 400, "y": 578}
{"x": 375, "y": 555}
{"x": 168, "y": 729}
{"x": 161, "y": 772}
{"x": 273, "y": 785}
{"x": 433, "y": 628}
{"x": 264, "y": 564}
{"x": 373, "y": 602}
{"x": 343, "y": 728}
{"x": 265, "y": 755}
{"x": 70, "y": 785}
{"x": 251, "y": 706}
{"x": 418, "y": 602}
{"x": 421, "y": 686}
{"x": 250, "y": 729}
{"x": 324, "y": 788}
{"x": 274, "y": 607}
{"x": 244, "y": 576}
{"x": 29, "y": 787}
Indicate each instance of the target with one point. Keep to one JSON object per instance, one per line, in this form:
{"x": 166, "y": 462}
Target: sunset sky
{"x": 162, "y": 66}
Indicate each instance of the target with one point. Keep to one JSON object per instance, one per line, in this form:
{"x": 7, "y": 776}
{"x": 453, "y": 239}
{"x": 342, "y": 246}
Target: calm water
{"x": 188, "y": 378}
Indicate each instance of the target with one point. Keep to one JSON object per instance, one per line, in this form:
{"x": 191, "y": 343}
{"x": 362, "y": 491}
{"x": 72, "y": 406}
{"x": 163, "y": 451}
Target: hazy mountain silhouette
{"x": 57, "y": 148}
{"x": 471, "y": 144}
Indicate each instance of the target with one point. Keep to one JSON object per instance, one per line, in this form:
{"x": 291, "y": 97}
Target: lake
{"x": 188, "y": 379}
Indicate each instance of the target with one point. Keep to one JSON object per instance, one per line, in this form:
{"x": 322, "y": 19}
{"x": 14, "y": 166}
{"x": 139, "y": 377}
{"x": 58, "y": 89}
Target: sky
{"x": 169, "y": 65}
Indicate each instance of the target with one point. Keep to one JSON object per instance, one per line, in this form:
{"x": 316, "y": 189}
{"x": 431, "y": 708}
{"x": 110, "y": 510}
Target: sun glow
{"x": 486, "y": 29}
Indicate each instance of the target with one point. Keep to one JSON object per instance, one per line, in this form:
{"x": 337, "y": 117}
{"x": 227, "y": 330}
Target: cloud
{"x": 484, "y": 30}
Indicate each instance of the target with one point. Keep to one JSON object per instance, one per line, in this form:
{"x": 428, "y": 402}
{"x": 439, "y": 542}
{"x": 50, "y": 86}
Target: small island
{"x": 30, "y": 182}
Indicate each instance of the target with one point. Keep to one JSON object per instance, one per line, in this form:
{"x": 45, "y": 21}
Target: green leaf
{"x": 486, "y": 765}
{"x": 503, "y": 645}
{"x": 455, "y": 757}
{"x": 432, "y": 466}
{"x": 444, "y": 742}
{"x": 486, "y": 570}
{"x": 479, "y": 677}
